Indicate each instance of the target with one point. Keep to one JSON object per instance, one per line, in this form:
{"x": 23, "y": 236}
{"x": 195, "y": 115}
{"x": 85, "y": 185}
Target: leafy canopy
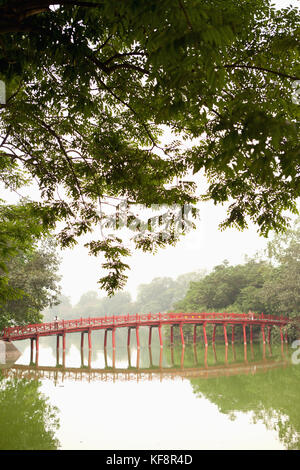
{"x": 91, "y": 84}
{"x": 28, "y": 285}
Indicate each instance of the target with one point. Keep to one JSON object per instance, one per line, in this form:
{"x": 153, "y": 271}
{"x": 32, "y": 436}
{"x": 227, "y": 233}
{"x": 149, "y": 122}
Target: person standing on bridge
{"x": 251, "y": 314}
{"x": 56, "y": 321}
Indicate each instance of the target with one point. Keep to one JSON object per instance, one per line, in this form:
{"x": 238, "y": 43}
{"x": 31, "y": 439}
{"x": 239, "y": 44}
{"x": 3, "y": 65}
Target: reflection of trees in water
{"x": 27, "y": 420}
{"x": 272, "y": 397}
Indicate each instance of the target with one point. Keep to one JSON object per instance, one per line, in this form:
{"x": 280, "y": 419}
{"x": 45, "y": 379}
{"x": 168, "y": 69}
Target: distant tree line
{"x": 157, "y": 296}
{"x": 270, "y": 285}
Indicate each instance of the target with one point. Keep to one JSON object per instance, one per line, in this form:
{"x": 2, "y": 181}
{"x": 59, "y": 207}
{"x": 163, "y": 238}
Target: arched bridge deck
{"x": 158, "y": 320}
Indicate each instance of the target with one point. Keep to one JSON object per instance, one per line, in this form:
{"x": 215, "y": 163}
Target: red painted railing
{"x": 45, "y": 329}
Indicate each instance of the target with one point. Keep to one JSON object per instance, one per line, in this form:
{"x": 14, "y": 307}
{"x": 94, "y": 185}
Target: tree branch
{"x": 261, "y": 69}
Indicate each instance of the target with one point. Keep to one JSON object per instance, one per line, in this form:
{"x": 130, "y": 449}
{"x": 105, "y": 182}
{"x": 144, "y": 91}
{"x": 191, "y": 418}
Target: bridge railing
{"x": 136, "y": 319}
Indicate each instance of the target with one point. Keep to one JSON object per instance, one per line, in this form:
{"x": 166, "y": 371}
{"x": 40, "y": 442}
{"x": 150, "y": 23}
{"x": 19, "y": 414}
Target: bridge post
{"x": 172, "y": 356}
{"x": 160, "y": 336}
{"x": 281, "y": 335}
{"x": 138, "y": 359}
{"x": 269, "y": 334}
{"x": 215, "y": 352}
{"x": 205, "y": 357}
{"x": 214, "y": 334}
{"x": 82, "y": 357}
{"x": 232, "y": 334}
{"x": 114, "y": 355}
{"x": 64, "y": 342}
{"x": 89, "y": 339}
{"x": 105, "y": 357}
{"x": 234, "y": 352}
{"x": 82, "y": 341}
{"x": 286, "y": 335}
{"x": 244, "y": 333}
{"x": 105, "y": 338}
{"x": 150, "y": 357}
{"x": 31, "y": 350}
{"x": 160, "y": 358}
{"x": 57, "y": 348}
{"x": 195, "y": 334}
{"x": 263, "y": 334}
{"x": 128, "y": 337}
{"x": 129, "y": 356}
{"x": 182, "y": 357}
{"x": 245, "y": 352}
{"x": 226, "y": 353}
{"x": 113, "y": 338}
{"x": 181, "y": 335}
{"x": 150, "y": 336}
{"x": 225, "y": 334}
{"x": 205, "y": 335}
{"x": 36, "y": 349}
{"x": 251, "y": 334}
{"x": 137, "y": 337}
{"x": 195, "y": 354}
{"x": 172, "y": 335}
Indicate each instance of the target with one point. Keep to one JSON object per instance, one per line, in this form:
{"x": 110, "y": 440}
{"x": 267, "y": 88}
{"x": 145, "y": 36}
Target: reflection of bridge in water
{"x": 60, "y": 372}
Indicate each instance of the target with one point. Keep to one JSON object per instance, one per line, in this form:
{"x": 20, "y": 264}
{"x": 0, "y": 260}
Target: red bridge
{"x": 111, "y": 323}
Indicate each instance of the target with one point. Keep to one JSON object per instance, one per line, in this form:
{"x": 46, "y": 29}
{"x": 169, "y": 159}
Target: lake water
{"x": 179, "y": 399}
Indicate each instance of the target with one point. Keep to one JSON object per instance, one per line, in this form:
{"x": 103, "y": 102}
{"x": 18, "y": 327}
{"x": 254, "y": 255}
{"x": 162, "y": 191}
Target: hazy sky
{"x": 202, "y": 248}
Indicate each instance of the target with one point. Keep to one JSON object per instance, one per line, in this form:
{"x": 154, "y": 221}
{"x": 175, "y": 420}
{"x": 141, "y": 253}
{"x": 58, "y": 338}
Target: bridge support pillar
{"x": 205, "y": 357}
{"x": 245, "y": 352}
{"x": 281, "y": 335}
{"x": 114, "y": 356}
{"x": 64, "y": 342}
{"x": 128, "y": 337}
{"x": 57, "y": 349}
{"x": 195, "y": 334}
{"x": 150, "y": 357}
{"x": 286, "y": 335}
{"x": 105, "y": 357}
{"x": 244, "y": 333}
{"x": 172, "y": 335}
{"x": 225, "y": 334}
{"x": 90, "y": 339}
{"x": 150, "y": 336}
{"x": 214, "y": 334}
{"x": 269, "y": 334}
{"x": 263, "y": 334}
{"x": 31, "y": 350}
{"x": 181, "y": 335}
{"x": 232, "y": 334}
{"x": 226, "y": 353}
{"x": 137, "y": 337}
{"x": 82, "y": 341}
{"x": 113, "y": 338}
{"x": 205, "y": 335}
{"x": 160, "y": 336}
{"x": 37, "y": 349}
{"x": 160, "y": 358}
{"x": 129, "y": 356}
{"x": 138, "y": 359}
{"x": 215, "y": 352}
{"x": 251, "y": 334}
{"x": 105, "y": 339}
